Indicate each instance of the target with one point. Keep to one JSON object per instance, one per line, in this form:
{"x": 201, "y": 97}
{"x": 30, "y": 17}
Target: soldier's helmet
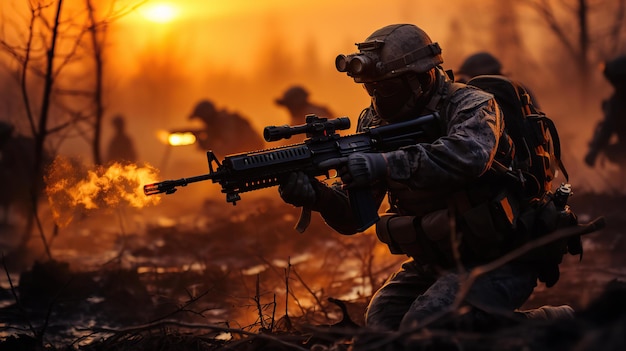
{"x": 118, "y": 122}
{"x": 390, "y": 52}
{"x": 204, "y": 110}
{"x": 615, "y": 71}
{"x": 480, "y": 63}
{"x": 294, "y": 96}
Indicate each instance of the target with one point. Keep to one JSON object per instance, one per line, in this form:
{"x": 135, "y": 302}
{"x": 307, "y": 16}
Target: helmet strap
{"x": 440, "y": 91}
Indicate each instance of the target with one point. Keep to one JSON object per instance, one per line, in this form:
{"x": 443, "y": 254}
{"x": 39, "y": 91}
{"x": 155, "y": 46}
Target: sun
{"x": 159, "y": 12}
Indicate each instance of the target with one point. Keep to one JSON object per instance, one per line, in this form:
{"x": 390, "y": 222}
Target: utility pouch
{"x": 436, "y": 225}
{"x": 481, "y": 237}
{"x": 479, "y": 221}
{"x": 383, "y": 232}
{"x": 540, "y": 220}
{"x": 403, "y": 236}
{"x": 546, "y": 218}
{"x": 486, "y": 223}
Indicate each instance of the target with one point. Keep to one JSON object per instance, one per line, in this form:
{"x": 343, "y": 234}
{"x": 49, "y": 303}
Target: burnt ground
{"x": 241, "y": 278}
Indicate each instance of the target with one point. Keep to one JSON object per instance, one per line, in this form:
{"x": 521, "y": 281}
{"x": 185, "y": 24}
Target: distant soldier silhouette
{"x": 121, "y": 147}
{"x": 609, "y": 138}
{"x": 17, "y": 167}
{"x": 478, "y": 64}
{"x": 296, "y": 100}
{"x": 225, "y": 132}
{"x": 483, "y": 63}
{"x": 6, "y": 190}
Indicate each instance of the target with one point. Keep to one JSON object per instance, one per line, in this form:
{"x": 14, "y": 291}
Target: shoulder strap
{"x": 556, "y": 142}
{"x": 530, "y": 109}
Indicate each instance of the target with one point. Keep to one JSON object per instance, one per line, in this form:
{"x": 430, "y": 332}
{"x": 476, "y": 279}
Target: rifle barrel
{"x": 169, "y": 186}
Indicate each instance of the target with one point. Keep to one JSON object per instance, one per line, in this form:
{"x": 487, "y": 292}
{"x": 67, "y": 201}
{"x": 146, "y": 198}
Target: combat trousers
{"x": 417, "y": 293}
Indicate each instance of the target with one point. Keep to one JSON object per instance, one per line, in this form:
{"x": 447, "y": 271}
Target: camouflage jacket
{"x": 422, "y": 176}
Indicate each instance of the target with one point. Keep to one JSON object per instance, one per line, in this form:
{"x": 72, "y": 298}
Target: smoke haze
{"x": 242, "y": 55}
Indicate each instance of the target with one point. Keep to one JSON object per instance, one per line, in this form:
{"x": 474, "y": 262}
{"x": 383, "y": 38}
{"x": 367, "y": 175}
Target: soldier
{"x": 6, "y": 190}
{"x": 296, "y": 101}
{"x": 224, "y": 132}
{"x": 17, "y": 168}
{"x": 429, "y": 185}
{"x": 484, "y": 63}
{"x": 614, "y": 122}
{"x": 478, "y": 64}
{"x": 121, "y": 147}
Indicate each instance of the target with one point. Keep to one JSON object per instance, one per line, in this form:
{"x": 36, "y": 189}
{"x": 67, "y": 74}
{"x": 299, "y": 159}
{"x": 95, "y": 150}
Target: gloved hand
{"x": 297, "y": 190}
{"x": 363, "y": 169}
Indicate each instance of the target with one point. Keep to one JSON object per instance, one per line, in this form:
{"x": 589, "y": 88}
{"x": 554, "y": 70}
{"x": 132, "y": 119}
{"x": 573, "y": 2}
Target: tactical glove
{"x": 363, "y": 169}
{"x": 297, "y": 190}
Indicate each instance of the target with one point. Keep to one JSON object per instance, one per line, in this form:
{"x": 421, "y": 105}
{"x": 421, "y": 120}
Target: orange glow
{"x": 163, "y": 136}
{"x": 71, "y": 188}
{"x": 181, "y": 138}
{"x": 176, "y": 138}
{"x": 160, "y": 12}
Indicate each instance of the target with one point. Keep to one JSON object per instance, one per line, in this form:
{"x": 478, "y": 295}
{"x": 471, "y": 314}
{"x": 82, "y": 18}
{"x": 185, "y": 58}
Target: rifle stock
{"x": 249, "y": 171}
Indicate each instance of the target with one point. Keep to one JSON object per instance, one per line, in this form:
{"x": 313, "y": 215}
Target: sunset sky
{"x": 230, "y": 31}
{"x": 165, "y": 56}
{"x": 219, "y": 50}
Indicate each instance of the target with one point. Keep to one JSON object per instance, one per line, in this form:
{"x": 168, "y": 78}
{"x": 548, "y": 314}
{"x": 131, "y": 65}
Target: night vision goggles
{"x": 368, "y": 63}
{"x": 364, "y": 62}
{"x": 356, "y": 64}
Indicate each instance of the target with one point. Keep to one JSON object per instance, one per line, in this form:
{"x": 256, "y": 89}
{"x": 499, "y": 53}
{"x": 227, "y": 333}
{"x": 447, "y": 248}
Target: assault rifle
{"x": 248, "y": 171}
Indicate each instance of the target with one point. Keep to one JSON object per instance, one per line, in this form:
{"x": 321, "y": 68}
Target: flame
{"x": 72, "y": 189}
{"x": 181, "y": 138}
{"x": 176, "y": 138}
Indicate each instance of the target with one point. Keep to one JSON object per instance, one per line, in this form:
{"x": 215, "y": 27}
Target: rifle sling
{"x": 304, "y": 220}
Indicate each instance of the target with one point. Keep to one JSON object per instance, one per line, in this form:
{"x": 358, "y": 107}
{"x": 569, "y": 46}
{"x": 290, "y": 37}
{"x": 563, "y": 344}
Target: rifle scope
{"x": 314, "y": 127}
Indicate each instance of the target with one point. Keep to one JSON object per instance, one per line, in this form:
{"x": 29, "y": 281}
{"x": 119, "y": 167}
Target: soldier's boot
{"x": 549, "y": 313}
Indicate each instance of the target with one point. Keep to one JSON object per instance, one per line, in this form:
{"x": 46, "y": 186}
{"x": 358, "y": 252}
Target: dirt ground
{"x": 215, "y": 277}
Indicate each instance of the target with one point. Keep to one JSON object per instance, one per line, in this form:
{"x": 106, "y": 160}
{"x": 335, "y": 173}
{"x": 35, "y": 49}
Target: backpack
{"x": 534, "y": 135}
{"x": 535, "y": 161}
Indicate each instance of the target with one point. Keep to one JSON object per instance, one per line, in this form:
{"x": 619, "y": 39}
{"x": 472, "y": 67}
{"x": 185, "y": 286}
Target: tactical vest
{"x": 483, "y": 221}
{"x": 425, "y": 224}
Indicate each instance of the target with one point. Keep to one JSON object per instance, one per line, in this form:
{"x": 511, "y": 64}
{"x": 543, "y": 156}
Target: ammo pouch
{"x": 426, "y": 239}
{"x": 545, "y": 218}
{"x": 485, "y": 225}
{"x": 542, "y": 219}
